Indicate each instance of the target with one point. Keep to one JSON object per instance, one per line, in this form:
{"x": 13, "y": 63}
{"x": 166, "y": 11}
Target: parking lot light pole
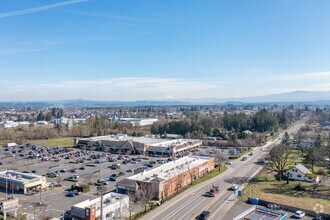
{"x": 62, "y": 211}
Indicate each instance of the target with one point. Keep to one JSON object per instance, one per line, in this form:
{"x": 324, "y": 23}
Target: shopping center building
{"x": 160, "y": 182}
{"x": 137, "y": 145}
{"x": 17, "y": 182}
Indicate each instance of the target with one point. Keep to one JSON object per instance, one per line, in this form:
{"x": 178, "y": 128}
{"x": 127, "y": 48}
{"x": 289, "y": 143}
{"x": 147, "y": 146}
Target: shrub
{"x": 321, "y": 172}
{"x": 299, "y": 187}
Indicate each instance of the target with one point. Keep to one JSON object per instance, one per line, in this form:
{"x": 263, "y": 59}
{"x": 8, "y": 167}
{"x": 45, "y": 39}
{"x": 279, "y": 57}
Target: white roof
{"x": 155, "y": 142}
{"x": 170, "y": 169}
{"x": 110, "y": 197}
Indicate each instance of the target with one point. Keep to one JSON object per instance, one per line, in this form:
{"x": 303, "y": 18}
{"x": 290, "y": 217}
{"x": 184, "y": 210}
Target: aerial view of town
{"x": 164, "y": 109}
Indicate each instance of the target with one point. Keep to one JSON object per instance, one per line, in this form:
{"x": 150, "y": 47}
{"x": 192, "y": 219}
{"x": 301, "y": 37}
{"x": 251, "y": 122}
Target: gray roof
{"x": 302, "y": 168}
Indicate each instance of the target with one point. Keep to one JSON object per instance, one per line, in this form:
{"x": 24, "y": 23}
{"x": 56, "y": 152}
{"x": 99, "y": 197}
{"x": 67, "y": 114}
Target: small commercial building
{"x": 261, "y": 213}
{"x": 17, "y": 182}
{"x": 161, "y": 182}
{"x": 122, "y": 143}
{"x": 114, "y": 205}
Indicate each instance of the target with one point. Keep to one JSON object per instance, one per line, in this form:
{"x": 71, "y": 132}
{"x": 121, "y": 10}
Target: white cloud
{"x": 128, "y": 88}
{"x": 151, "y": 88}
{"x": 39, "y": 9}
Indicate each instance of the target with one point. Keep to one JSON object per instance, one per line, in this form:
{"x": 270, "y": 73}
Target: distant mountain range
{"x": 291, "y": 97}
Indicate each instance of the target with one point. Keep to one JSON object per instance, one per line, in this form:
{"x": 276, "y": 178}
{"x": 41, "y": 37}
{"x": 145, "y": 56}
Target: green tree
{"x": 40, "y": 116}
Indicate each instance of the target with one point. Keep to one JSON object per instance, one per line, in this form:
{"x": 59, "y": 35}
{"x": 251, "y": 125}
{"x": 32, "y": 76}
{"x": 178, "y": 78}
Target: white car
{"x": 299, "y": 214}
{"x": 234, "y": 187}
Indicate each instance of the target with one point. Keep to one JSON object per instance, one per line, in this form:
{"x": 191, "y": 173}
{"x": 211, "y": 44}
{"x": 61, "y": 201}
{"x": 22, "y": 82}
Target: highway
{"x": 190, "y": 203}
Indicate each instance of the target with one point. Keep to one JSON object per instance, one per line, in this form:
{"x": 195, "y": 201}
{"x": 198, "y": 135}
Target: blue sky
{"x": 162, "y": 49}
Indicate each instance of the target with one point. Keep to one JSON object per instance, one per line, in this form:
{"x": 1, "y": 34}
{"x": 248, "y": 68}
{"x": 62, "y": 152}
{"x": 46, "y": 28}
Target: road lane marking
{"x": 221, "y": 206}
{"x": 216, "y": 198}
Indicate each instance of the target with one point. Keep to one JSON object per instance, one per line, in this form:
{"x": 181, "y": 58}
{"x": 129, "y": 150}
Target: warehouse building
{"x": 160, "y": 182}
{"x": 122, "y": 143}
{"x": 16, "y": 182}
{"x": 139, "y": 121}
{"x": 115, "y": 206}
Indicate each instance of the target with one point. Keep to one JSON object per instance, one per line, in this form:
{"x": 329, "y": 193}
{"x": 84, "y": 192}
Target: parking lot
{"x": 59, "y": 165}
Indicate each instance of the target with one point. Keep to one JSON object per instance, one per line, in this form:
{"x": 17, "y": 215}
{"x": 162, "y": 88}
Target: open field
{"x": 268, "y": 189}
{"x": 57, "y": 142}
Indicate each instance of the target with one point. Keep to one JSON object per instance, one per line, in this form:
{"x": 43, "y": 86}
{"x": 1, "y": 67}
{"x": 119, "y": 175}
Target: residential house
{"x": 301, "y": 173}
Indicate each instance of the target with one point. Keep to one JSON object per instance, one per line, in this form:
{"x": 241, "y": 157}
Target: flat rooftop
{"x": 258, "y": 213}
{"x": 108, "y": 198}
{"x": 155, "y": 142}
{"x": 139, "y": 119}
{"x": 17, "y": 176}
{"x": 170, "y": 169}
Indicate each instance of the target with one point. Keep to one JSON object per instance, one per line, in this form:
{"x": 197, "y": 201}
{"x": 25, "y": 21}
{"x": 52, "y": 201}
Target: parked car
{"x": 71, "y": 194}
{"x": 34, "y": 171}
{"x": 204, "y": 215}
{"x": 112, "y": 178}
{"x": 121, "y": 174}
{"x": 299, "y": 214}
{"x": 251, "y": 153}
{"x": 81, "y": 168}
{"x": 244, "y": 158}
{"x": 228, "y": 163}
{"x": 129, "y": 170}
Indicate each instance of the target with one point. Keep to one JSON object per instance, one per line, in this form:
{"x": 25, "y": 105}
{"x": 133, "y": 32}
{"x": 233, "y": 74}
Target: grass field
{"x": 268, "y": 189}
{"x": 60, "y": 142}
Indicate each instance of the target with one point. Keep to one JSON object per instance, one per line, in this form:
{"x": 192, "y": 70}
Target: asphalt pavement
{"x": 190, "y": 203}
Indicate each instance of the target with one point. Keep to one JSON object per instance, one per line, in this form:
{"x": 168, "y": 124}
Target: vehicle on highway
{"x": 213, "y": 191}
{"x": 204, "y": 215}
{"x": 234, "y": 187}
{"x": 299, "y": 214}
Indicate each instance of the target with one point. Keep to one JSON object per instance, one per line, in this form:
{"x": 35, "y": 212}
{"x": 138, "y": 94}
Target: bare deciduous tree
{"x": 219, "y": 158}
{"x": 279, "y": 158}
{"x": 144, "y": 194}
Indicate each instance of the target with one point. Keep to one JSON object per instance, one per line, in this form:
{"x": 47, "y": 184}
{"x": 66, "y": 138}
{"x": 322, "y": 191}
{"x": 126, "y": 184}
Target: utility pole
{"x": 40, "y": 196}
{"x": 6, "y": 188}
{"x": 101, "y": 190}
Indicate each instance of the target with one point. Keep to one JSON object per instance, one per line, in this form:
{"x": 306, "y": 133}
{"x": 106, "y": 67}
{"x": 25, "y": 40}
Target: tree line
{"x": 262, "y": 121}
